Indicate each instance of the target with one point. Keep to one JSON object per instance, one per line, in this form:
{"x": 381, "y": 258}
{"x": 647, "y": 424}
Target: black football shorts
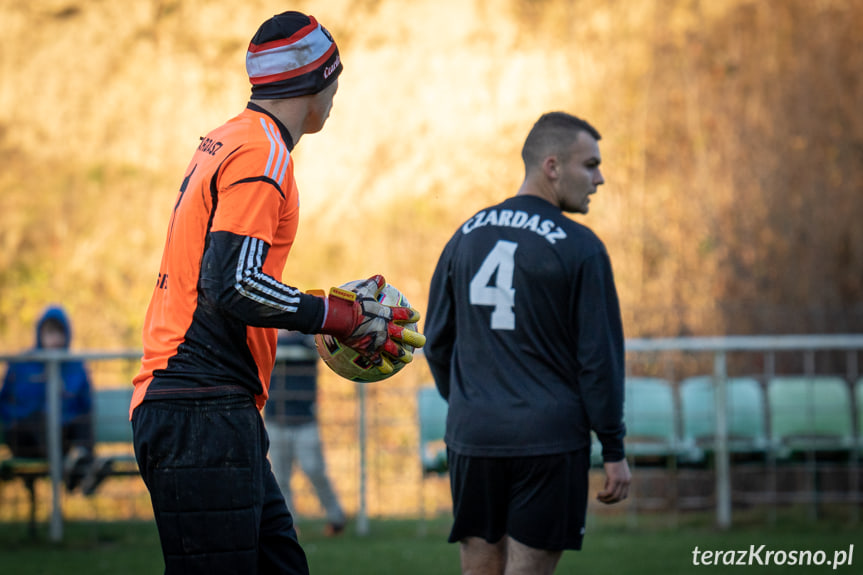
{"x": 539, "y": 501}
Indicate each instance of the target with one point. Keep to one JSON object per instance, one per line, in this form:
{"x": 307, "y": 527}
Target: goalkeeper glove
{"x": 358, "y": 320}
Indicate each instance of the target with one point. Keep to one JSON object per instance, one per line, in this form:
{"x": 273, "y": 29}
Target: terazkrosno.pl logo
{"x": 761, "y": 555}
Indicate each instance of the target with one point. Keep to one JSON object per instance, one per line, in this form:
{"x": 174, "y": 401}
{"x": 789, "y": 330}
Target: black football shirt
{"x": 524, "y": 335}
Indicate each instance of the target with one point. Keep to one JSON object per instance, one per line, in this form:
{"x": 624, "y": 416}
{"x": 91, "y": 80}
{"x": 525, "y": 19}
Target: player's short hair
{"x": 551, "y": 134}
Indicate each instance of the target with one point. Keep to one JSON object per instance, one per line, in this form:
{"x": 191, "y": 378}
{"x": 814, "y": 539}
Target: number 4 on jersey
{"x": 500, "y": 263}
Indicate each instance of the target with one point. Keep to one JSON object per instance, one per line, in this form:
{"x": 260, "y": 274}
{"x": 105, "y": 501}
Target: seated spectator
{"x": 23, "y": 404}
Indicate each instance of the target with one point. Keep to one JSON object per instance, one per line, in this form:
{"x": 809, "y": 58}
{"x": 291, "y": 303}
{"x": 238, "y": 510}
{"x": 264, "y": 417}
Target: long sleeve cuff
{"x": 612, "y": 448}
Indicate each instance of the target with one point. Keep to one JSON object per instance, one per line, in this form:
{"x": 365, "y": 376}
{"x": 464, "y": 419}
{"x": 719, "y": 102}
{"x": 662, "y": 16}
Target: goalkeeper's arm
{"x": 233, "y": 279}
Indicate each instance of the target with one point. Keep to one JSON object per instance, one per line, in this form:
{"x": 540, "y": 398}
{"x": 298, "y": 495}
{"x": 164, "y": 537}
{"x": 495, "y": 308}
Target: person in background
{"x": 23, "y": 406}
{"x": 292, "y": 423}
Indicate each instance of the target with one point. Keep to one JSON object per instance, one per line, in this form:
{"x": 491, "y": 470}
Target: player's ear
{"x": 551, "y": 167}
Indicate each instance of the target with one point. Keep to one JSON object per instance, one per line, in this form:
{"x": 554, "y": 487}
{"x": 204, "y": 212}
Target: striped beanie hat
{"x": 291, "y": 55}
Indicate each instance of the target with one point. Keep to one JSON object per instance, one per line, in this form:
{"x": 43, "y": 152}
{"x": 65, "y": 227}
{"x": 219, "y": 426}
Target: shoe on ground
{"x": 333, "y": 529}
{"x": 98, "y": 471}
{"x": 75, "y": 465}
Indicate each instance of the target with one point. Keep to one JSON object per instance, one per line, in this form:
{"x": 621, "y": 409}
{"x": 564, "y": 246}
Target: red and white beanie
{"x": 291, "y": 55}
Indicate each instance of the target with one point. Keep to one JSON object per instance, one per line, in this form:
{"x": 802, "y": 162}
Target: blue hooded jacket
{"x": 23, "y": 391}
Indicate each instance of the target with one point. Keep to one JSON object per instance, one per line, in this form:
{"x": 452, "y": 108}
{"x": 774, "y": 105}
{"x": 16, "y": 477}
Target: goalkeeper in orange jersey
{"x": 210, "y": 330}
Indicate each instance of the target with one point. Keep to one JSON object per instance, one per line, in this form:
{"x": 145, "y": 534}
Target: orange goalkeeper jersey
{"x": 210, "y": 326}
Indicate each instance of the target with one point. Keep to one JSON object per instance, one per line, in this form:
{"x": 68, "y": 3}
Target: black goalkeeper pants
{"x": 218, "y": 507}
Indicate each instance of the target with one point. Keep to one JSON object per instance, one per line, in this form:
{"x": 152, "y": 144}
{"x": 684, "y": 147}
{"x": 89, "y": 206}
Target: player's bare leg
{"x": 479, "y": 557}
{"x": 524, "y": 560}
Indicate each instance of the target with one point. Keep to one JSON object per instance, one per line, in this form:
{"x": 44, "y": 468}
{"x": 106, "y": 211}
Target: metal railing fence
{"x": 379, "y": 405}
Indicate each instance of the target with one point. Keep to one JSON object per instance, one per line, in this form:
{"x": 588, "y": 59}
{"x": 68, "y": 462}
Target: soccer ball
{"x": 348, "y": 363}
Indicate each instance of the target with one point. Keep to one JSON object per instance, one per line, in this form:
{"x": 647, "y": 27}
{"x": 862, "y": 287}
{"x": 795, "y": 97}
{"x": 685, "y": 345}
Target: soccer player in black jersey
{"x": 525, "y": 342}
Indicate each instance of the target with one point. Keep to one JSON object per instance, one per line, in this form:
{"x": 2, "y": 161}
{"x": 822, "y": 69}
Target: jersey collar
{"x": 286, "y": 135}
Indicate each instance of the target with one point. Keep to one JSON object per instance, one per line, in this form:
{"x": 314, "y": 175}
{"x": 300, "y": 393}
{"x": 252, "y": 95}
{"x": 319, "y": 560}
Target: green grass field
{"x": 396, "y": 547}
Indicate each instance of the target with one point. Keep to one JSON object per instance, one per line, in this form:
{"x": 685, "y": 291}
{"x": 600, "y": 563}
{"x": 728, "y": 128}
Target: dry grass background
{"x": 733, "y": 147}
{"x": 733, "y": 154}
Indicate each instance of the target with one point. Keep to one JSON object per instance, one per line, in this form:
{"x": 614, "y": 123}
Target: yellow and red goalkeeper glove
{"x": 357, "y": 319}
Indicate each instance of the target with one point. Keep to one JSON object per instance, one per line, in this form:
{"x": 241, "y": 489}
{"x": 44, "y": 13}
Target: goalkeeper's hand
{"x": 358, "y": 320}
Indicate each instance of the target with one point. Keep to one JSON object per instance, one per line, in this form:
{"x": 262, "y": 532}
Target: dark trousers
{"x": 28, "y": 437}
{"x": 218, "y": 507}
